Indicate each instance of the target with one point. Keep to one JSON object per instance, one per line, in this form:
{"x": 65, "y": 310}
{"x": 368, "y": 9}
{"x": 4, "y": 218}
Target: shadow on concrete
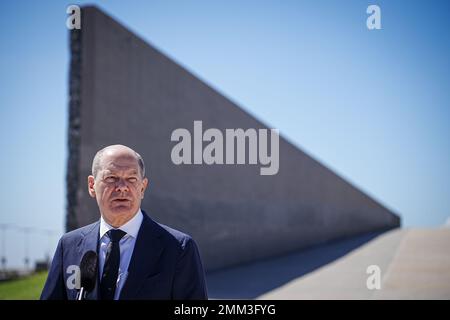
{"x": 254, "y": 279}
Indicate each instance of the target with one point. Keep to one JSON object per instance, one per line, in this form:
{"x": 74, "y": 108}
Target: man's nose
{"x": 121, "y": 186}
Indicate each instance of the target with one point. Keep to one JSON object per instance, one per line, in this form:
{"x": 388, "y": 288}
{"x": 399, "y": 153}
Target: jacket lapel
{"x": 89, "y": 242}
{"x": 144, "y": 261}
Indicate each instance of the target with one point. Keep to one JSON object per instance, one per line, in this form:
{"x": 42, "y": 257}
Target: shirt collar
{"x": 131, "y": 227}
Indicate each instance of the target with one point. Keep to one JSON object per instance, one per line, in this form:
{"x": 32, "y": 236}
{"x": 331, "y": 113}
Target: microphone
{"x": 88, "y": 274}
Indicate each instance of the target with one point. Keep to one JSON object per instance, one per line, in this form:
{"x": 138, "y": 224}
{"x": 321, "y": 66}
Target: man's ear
{"x": 144, "y": 187}
{"x": 91, "y": 189}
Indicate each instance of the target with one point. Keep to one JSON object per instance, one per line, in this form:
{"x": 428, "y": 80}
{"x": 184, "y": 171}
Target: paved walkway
{"x": 414, "y": 264}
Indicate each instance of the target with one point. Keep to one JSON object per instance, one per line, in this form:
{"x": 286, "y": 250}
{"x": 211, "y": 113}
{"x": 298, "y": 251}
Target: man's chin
{"x": 122, "y": 209}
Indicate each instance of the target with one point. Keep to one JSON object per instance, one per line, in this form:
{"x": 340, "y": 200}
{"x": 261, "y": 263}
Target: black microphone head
{"x": 88, "y": 270}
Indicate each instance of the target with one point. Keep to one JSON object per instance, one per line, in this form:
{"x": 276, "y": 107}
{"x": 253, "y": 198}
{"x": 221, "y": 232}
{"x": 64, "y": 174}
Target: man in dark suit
{"x": 138, "y": 258}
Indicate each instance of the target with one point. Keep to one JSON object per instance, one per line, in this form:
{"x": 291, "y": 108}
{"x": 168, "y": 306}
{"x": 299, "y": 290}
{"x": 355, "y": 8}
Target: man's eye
{"x": 110, "y": 179}
{"x": 132, "y": 179}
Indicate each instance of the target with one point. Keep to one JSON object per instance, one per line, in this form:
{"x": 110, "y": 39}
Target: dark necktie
{"x": 111, "y": 267}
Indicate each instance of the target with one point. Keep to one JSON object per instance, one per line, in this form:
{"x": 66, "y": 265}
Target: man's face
{"x": 118, "y": 186}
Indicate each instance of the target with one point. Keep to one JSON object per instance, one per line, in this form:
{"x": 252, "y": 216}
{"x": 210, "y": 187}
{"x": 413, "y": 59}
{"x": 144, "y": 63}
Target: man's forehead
{"x": 128, "y": 166}
{"x": 115, "y": 169}
{"x": 123, "y": 162}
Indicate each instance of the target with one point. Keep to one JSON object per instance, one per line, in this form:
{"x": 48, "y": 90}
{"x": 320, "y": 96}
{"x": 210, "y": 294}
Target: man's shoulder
{"x": 170, "y": 234}
{"x": 177, "y": 234}
{"x": 80, "y": 232}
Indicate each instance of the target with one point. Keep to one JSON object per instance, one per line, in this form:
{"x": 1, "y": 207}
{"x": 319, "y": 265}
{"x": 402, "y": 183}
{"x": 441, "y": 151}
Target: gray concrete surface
{"x": 420, "y": 269}
{"x": 252, "y": 280}
{"x": 414, "y": 264}
{"x": 123, "y": 90}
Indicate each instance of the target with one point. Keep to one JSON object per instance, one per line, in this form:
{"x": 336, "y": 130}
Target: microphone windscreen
{"x": 88, "y": 270}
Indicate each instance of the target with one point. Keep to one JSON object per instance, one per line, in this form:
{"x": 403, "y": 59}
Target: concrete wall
{"x": 122, "y": 90}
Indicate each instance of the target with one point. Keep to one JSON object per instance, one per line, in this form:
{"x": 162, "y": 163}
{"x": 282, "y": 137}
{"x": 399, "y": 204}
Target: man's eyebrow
{"x": 113, "y": 172}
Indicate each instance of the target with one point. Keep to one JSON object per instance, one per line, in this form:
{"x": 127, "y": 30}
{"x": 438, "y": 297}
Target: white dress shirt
{"x": 126, "y": 247}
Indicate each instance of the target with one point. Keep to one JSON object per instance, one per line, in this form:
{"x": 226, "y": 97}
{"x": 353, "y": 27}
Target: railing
{"x": 27, "y": 234}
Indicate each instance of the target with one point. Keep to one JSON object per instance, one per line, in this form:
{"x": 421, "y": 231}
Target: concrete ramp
{"x": 414, "y": 264}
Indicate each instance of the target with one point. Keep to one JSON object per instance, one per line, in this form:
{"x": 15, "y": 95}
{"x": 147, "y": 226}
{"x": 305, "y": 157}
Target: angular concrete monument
{"x": 122, "y": 90}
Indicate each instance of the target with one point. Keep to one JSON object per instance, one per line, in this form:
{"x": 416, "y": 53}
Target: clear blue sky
{"x": 374, "y": 106}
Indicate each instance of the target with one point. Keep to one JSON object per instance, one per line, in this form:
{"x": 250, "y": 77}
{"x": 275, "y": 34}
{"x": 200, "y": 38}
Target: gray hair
{"x": 98, "y": 157}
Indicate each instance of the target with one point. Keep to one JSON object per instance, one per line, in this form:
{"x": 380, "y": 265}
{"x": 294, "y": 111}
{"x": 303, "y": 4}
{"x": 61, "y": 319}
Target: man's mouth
{"x": 121, "y": 200}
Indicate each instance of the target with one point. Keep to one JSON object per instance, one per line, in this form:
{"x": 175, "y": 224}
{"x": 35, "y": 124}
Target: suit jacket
{"x": 165, "y": 264}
